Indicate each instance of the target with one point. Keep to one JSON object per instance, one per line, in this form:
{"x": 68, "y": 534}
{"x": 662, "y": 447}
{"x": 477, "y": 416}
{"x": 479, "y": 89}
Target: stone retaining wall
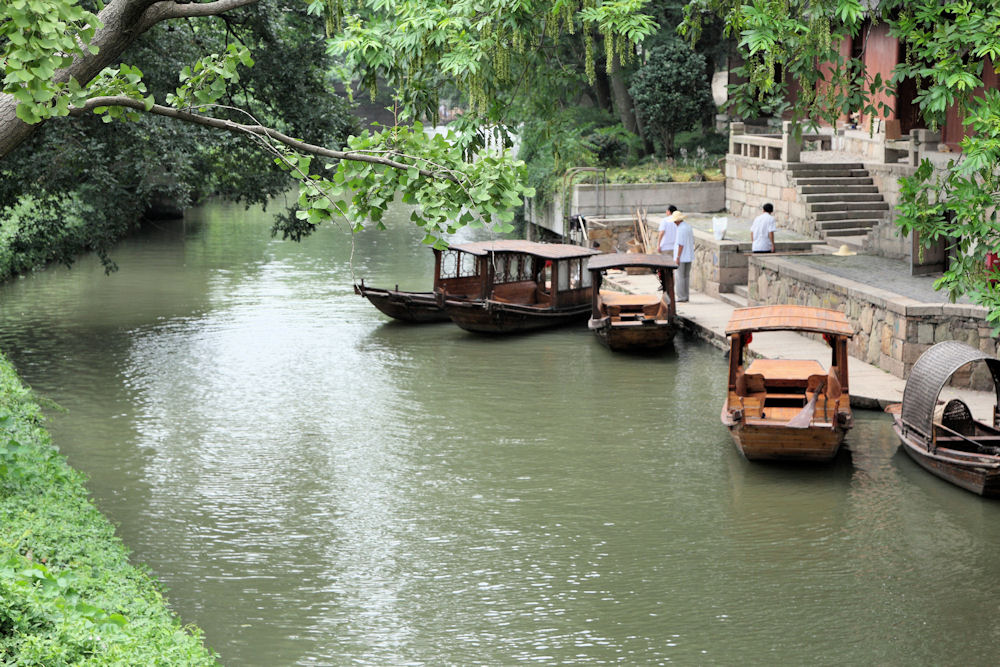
{"x": 892, "y": 331}
{"x": 751, "y": 183}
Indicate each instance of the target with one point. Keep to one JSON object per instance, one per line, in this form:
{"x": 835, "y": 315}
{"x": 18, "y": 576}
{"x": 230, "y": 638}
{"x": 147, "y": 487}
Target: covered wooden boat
{"x": 633, "y": 322}
{"x": 524, "y": 286}
{"x": 455, "y": 275}
{"x": 788, "y": 409}
{"x": 415, "y": 307}
{"x": 949, "y": 442}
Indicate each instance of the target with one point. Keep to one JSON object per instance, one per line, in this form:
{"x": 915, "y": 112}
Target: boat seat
{"x": 749, "y": 384}
{"x": 829, "y": 394}
{"x": 523, "y": 292}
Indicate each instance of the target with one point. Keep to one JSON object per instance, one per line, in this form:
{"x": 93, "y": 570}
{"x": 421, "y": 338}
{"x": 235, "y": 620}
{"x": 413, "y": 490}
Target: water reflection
{"x": 317, "y": 485}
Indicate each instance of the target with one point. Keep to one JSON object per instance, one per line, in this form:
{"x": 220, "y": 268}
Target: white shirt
{"x": 760, "y": 228}
{"x": 685, "y": 237}
{"x": 669, "y": 230}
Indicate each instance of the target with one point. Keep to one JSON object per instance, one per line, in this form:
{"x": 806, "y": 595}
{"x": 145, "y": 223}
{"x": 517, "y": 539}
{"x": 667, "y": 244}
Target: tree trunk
{"x": 602, "y": 90}
{"x": 623, "y": 101}
{"x": 124, "y": 21}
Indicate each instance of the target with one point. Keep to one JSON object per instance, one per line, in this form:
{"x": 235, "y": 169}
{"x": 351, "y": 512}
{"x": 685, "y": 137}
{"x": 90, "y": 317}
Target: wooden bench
{"x": 525, "y": 293}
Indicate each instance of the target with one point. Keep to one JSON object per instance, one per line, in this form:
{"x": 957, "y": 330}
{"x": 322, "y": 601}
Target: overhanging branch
{"x": 253, "y": 129}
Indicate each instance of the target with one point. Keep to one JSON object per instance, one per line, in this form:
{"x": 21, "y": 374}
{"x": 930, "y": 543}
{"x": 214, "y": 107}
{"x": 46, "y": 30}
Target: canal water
{"x": 317, "y": 485}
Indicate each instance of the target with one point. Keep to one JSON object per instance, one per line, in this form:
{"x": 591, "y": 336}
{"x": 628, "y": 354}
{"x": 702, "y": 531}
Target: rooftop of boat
{"x": 543, "y": 250}
{"x": 789, "y": 318}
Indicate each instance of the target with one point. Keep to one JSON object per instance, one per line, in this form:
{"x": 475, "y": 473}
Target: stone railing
{"x": 782, "y": 147}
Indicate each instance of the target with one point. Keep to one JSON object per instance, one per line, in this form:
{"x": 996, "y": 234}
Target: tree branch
{"x": 252, "y": 129}
{"x": 169, "y": 9}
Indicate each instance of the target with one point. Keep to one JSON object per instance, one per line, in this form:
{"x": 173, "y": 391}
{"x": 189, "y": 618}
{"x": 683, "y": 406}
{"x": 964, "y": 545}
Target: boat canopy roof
{"x": 929, "y": 375}
{"x": 614, "y": 260}
{"x": 543, "y": 250}
{"x": 789, "y": 318}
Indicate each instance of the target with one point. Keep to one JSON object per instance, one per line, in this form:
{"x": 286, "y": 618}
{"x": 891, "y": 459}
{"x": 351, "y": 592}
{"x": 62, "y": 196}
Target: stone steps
{"x": 734, "y": 299}
{"x": 846, "y": 223}
{"x": 834, "y": 181}
{"x": 848, "y": 206}
{"x": 811, "y": 191}
{"x": 846, "y": 197}
{"x": 842, "y": 199}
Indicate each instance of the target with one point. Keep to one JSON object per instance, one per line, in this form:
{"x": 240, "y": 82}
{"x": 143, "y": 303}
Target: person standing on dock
{"x": 683, "y": 255}
{"x": 762, "y": 230}
{"x": 668, "y": 231}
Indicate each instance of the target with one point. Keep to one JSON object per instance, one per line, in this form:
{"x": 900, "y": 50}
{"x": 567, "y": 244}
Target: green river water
{"x": 317, "y": 485}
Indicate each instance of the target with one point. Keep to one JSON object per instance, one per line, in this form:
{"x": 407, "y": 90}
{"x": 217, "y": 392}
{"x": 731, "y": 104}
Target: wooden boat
{"x": 416, "y": 307}
{"x": 456, "y": 275}
{"x": 788, "y": 409}
{"x": 524, "y": 286}
{"x": 949, "y": 442}
{"x": 633, "y": 322}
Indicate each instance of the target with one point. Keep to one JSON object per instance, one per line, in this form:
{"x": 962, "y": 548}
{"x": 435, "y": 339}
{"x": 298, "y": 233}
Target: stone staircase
{"x": 840, "y": 198}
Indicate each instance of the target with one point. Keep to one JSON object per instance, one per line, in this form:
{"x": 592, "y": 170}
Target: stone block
{"x": 886, "y": 338}
{"x": 942, "y": 333}
{"x": 894, "y": 366}
{"x": 735, "y": 276}
{"x": 912, "y": 352}
{"x": 925, "y": 333}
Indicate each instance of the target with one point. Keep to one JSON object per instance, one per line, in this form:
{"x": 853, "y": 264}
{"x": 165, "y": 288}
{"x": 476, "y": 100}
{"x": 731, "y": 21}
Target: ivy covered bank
{"x": 68, "y": 594}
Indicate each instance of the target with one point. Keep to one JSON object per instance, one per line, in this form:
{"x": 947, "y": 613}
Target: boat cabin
{"x": 633, "y": 308}
{"x": 778, "y": 389}
{"x": 545, "y": 275}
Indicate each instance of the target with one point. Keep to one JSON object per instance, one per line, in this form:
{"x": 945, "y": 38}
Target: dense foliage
{"x": 68, "y": 594}
{"x": 81, "y": 184}
{"x": 947, "y": 47}
{"x": 670, "y": 92}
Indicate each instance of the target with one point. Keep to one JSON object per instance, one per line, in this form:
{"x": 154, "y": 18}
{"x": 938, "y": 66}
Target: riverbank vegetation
{"x": 68, "y": 594}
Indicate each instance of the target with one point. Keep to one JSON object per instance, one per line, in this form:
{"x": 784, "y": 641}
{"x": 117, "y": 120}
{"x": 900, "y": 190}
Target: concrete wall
{"x": 623, "y": 199}
{"x": 892, "y": 331}
{"x": 750, "y": 183}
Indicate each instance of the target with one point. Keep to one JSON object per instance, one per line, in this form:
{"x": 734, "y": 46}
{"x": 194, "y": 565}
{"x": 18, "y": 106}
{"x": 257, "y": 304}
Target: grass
{"x": 68, "y": 594}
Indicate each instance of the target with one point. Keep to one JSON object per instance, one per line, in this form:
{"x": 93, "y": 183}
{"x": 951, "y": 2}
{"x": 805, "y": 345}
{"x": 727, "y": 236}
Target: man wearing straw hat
{"x": 683, "y": 256}
{"x": 668, "y": 231}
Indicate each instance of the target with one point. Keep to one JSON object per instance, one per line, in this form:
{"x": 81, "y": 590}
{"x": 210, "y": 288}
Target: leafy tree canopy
{"x": 948, "y": 46}
{"x": 61, "y": 60}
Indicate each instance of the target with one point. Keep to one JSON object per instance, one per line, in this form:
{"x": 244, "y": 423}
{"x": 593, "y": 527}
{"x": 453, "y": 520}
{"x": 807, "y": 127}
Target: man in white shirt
{"x": 683, "y": 255}
{"x": 762, "y": 231}
{"x": 668, "y": 231}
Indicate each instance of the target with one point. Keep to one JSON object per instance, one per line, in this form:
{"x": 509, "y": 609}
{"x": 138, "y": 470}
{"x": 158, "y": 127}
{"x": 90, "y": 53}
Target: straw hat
{"x": 678, "y": 216}
{"x": 844, "y": 251}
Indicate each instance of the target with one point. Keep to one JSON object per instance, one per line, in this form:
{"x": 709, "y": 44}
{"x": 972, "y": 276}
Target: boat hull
{"x": 981, "y": 481}
{"x": 501, "y": 318}
{"x": 761, "y": 440}
{"x": 633, "y": 336}
{"x": 412, "y": 307}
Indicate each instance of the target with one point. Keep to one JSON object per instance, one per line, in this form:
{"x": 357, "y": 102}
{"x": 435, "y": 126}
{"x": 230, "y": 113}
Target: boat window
{"x": 456, "y": 264}
{"x": 509, "y": 268}
{"x": 570, "y": 273}
{"x": 587, "y": 280}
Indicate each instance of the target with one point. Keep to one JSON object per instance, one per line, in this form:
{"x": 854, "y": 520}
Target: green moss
{"x": 68, "y": 594}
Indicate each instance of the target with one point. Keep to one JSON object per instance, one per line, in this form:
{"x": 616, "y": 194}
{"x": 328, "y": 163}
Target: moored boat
{"x": 633, "y": 322}
{"x": 788, "y": 409}
{"x": 524, "y": 286}
{"x": 456, "y": 276}
{"x": 949, "y": 442}
{"x": 415, "y": 307}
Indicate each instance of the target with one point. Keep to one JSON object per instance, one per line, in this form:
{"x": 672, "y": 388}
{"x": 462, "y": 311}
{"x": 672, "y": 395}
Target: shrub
{"x": 671, "y": 92}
